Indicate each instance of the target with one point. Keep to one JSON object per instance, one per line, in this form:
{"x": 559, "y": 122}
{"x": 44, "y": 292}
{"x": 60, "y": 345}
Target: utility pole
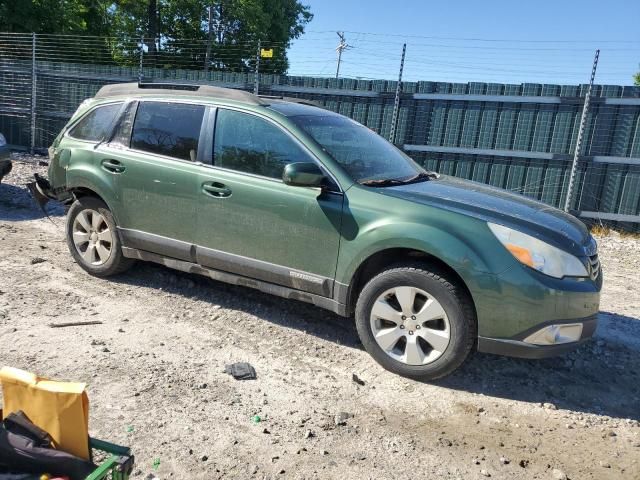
{"x": 396, "y": 103}
{"x": 207, "y": 57}
{"x": 583, "y": 123}
{"x": 342, "y": 46}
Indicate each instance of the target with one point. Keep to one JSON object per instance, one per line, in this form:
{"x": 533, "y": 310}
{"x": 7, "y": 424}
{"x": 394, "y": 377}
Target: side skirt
{"x": 278, "y": 290}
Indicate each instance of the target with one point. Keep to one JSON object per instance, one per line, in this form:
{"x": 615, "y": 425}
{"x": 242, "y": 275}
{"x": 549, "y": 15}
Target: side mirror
{"x": 303, "y": 174}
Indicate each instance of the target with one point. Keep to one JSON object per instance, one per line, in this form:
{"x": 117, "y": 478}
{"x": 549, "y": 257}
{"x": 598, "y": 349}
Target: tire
{"x": 90, "y": 226}
{"x": 416, "y": 346}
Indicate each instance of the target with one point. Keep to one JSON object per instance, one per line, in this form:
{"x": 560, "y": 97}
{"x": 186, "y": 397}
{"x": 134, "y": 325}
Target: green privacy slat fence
{"x": 526, "y": 144}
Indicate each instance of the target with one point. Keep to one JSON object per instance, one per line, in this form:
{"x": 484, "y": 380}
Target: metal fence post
{"x": 34, "y": 80}
{"x": 396, "y": 104}
{"x": 207, "y": 57}
{"x": 256, "y": 77}
{"x": 578, "y": 150}
{"x": 140, "y": 70}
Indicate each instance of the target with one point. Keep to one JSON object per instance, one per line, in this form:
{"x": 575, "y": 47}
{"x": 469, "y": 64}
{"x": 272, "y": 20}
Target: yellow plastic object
{"x": 60, "y": 408}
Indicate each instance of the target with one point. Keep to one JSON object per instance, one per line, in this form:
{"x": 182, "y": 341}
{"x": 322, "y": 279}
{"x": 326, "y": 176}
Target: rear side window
{"x": 170, "y": 129}
{"x": 250, "y": 144}
{"x": 95, "y": 125}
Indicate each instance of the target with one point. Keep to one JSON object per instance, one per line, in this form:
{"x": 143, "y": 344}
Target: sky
{"x": 539, "y": 41}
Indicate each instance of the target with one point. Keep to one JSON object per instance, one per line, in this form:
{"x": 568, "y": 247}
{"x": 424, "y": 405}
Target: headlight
{"x": 3, "y": 141}
{"x": 539, "y": 255}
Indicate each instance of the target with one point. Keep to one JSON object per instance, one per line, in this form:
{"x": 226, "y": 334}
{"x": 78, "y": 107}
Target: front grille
{"x": 594, "y": 267}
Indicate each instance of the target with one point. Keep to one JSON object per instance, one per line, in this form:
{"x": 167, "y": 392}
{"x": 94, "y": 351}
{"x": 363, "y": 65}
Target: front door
{"x": 251, "y": 223}
{"x": 157, "y": 176}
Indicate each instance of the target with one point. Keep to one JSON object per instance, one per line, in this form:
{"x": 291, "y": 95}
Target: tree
{"x": 83, "y": 17}
{"x": 238, "y": 26}
{"x": 175, "y": 32}
{"x": 636, "y": 79}
{"x": 54, "y": 18}
{"x": 181, "y": 31}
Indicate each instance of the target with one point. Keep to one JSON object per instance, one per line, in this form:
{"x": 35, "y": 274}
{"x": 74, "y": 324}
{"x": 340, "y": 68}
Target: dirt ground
{"x": 154, "y": 370}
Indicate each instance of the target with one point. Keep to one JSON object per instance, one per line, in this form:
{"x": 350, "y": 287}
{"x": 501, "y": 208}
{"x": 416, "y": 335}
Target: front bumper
{"x": 518, "y": 347}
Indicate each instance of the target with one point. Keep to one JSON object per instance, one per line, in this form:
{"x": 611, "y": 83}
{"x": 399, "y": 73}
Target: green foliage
{"x": 47, "y": 16}
{"x": 636, "y": 79}
{"x": 175, "y": 31}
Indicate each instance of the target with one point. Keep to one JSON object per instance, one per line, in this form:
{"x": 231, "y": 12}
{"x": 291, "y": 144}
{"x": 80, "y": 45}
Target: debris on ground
{"x": 75, "y": 324}
{"x": 341, "y": 418}
{"x": 241, "y": 371}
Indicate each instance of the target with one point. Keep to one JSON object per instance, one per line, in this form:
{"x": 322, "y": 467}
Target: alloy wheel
{"x": 410, "y": 325}
{"x": 92, "y": 237}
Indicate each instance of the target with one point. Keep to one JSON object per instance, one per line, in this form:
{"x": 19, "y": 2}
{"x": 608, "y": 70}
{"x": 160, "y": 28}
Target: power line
{"x": 477, "y": 39}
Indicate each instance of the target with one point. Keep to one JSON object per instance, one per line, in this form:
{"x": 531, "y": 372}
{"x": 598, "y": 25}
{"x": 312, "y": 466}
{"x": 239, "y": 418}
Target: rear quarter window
{"x": 95, "y": 125}
{"x": 169, "y": 129}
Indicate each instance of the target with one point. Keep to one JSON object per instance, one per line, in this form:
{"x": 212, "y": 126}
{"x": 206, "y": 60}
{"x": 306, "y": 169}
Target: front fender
{"x": 459, "y": 252}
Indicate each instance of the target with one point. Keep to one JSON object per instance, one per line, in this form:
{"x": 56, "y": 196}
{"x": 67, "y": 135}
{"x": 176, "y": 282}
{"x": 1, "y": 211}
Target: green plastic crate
{"x": 115, "y": 462}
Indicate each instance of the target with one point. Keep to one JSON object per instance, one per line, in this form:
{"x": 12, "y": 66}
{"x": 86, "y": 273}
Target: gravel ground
{"x": 154, "y": 370}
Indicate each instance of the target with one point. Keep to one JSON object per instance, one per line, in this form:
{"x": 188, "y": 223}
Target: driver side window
{"x": 247, "y": 143}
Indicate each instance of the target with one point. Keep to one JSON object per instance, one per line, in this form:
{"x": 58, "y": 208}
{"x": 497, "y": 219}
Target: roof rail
{"x": 301, "y": 101}
{"x": 191, "y": 89}
{"x": 169, "y": 86}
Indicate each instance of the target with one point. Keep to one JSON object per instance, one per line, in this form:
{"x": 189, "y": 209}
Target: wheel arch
{"x": 383, "y": 259}
{"x": 83, "y": 189}
{"x": 80, "y": 191}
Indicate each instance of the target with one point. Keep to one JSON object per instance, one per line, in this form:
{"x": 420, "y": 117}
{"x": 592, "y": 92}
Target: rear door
{"x": 251, "y": 223}
{"x": 154, "y": 157}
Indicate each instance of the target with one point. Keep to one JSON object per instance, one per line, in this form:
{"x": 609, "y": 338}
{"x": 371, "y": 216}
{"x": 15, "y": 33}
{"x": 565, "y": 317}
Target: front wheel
{"x": 93, "y": 240}
{"x": 416, "y": 322}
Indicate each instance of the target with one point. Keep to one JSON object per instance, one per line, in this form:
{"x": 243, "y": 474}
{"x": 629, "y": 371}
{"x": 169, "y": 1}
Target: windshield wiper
{"x": 385, "y": 182}
{"x": 422, "y": 176}
{"x": 389, "y": 182}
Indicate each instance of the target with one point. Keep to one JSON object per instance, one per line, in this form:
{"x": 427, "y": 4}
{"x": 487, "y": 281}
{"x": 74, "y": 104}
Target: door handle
{"x": 113, "y": 166}
{"x": 216, "y": 189}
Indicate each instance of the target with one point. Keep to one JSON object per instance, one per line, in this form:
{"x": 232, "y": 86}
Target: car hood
{"x": 500, "y": 206}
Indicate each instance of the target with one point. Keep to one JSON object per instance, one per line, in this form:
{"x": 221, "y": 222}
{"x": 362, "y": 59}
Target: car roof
{"x": 174, "y": 89}
{"x": 292, "y": 107}
{"x": 208, "y": 92}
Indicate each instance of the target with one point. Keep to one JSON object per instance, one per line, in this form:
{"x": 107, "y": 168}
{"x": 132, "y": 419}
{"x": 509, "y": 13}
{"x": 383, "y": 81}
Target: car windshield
{"x": 365, "y": 155}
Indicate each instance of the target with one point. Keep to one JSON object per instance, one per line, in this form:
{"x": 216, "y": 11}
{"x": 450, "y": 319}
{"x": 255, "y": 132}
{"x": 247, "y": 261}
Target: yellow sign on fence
{"x": 266, "y": 52}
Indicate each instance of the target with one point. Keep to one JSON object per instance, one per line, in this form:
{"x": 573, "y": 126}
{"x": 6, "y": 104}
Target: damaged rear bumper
{"x": 42, "y": 191}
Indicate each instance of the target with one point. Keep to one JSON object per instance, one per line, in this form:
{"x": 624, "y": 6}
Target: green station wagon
{"x": 300, "y": 202}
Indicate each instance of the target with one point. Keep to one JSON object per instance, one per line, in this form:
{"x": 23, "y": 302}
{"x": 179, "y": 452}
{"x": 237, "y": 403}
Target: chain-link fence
{"x": 521, "y": 137}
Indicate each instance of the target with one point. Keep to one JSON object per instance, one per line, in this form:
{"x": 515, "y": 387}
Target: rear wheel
{"x": 416, "y": 322}
{"x": 93, "y": 240}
